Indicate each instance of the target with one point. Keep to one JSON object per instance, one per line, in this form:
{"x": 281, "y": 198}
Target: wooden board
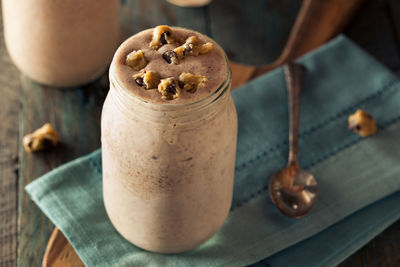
{"x": 75, "y": 113}
{"x": 9, "y": 104}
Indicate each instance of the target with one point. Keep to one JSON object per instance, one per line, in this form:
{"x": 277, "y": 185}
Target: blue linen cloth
{"x": 359, "y": 178}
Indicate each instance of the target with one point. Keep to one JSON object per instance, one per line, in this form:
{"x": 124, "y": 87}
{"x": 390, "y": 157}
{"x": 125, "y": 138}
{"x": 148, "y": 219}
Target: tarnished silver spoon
{"x": 293, "y": 190}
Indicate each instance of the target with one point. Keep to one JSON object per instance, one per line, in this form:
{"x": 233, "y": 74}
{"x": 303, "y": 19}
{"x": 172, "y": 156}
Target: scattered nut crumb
{"x": 136, "y": 60}
{"x": 362, "y": 123}
{"x": 161, "y": 35}
{"x": 43, "y": 138}
{"x": 191, "y": 82}
{"x": 169, "y": 88}
{"x": 147, "y": 79}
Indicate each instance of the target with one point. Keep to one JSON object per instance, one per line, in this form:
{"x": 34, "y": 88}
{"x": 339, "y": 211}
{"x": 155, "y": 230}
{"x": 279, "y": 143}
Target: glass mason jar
{"x": 168, "y": 168}
{"x": 61, "y": 43}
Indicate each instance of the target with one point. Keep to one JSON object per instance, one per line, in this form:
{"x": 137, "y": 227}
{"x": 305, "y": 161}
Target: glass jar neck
{"x": 132, "y": 106}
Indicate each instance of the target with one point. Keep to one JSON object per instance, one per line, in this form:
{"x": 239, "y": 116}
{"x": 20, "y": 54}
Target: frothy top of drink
{"x": 170, "y": 65}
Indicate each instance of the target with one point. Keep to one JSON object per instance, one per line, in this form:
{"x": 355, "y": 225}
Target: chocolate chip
{"x": 171, "y": 88}
{"x": 163, "y": 40}
{"x": 168, "y": 56}
{"x": 181, "y": 84}
{"x": 139, "y": 81}
{"x": 358, "y": 127}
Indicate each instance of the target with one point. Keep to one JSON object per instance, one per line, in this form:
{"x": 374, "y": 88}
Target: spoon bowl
{"x": 294, "y": 191}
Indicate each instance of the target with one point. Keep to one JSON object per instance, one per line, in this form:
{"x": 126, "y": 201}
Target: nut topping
{"x": 136, "y": 60}
{"x": 194, "y": 48}
{"x": 40, "y": 139}
{"x": 362, "y": 123}
{"x": 190, "y": 82}
{"x": 169, "y": 88}
{"x": 147, "y": 79}
{"x": 191, "y": 47}
{"x": 161, "y": 35}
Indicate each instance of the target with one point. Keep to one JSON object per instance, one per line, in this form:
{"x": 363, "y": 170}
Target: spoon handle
{"x": 294, "y": 76}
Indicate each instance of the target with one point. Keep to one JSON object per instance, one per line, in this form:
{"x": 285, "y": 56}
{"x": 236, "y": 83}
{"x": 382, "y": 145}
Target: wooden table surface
{"x": 75, "y": 113}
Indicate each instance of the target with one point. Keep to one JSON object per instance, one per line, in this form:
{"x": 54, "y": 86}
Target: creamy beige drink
{"x": 61, "y": 43}
{"x": 169, "y": 128}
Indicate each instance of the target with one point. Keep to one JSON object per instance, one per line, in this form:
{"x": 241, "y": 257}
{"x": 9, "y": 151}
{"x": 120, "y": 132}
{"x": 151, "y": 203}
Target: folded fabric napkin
{"x": 359, "y": 178}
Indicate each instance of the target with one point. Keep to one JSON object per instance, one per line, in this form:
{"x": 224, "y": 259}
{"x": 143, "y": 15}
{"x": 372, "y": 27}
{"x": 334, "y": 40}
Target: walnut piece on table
{"x": 362, "y": 123}
{"x": 43, "y": 138}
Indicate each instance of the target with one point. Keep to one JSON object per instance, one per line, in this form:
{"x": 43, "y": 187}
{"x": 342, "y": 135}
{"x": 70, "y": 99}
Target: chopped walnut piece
{"x": 170, "y": 57}
{"x": 136, "y": 60}
{"x": 179, "y": 52}
{"x": 191, "y": 82}
{"x": 191, "y": 47}
{"x": 362, "y": 123}
{"x": 161, "y": 35}
{"x": 205, "y": 48}
{"x": 147, "y": 79}
{"x": 194, "y": 48}
{"x": 40, "y": 139}
{"x": 169, "y": 88}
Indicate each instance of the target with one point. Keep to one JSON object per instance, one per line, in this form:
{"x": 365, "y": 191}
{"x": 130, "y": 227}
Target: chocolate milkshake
{"x": 169, "y": 129}
{"x": 61, "y": 43}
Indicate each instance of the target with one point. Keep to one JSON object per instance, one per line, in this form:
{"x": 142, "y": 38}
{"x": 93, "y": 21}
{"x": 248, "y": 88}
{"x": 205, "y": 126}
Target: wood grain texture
{"x": 9, "y": 112}
{"x": 376, "y": 28}
{"x": 75, "y": 114}
{"x": 382, "y": 251}
{"x": 59, "y": 253}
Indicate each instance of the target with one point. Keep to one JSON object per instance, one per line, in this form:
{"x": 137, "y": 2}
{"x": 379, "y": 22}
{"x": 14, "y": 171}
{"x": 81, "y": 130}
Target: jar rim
{"x": 213, "y": 96}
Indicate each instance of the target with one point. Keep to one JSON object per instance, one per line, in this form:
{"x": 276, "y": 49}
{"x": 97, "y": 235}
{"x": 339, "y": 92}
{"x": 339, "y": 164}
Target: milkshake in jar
{"x": 169, "y": 131}
{"x": 61, "y": 43}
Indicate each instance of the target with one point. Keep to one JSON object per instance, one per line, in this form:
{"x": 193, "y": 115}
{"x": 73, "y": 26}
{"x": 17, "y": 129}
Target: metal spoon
{"x": 293, "y": 190}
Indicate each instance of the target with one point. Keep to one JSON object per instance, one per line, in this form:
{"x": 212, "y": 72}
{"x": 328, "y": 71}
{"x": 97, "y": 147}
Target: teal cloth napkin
{"x": 359, "y": 178}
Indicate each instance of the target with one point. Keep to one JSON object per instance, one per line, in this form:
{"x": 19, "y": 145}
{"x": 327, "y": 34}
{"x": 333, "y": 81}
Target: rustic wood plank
{"x": 374, "y": 27}
{"x": 384, "y": 250}
{"x": 75, "y": 114}
{"x": 9, "y": 107}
